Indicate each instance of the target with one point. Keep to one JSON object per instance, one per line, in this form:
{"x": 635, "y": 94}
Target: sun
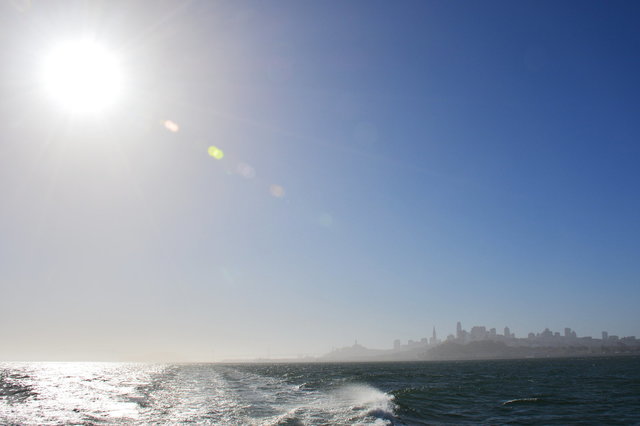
{"x": 82, "y": 76}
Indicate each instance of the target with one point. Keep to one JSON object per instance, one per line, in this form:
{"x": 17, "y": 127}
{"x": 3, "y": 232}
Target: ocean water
{"x": 536, "y": 391}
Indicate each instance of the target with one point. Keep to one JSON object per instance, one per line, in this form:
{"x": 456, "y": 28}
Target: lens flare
{"x": 276, "y": 190}
{"x": 246, "y": 171}
{"x": 171, "y": 126}
{"x": 325, "y": 220}
{"x": 216, "y": 152}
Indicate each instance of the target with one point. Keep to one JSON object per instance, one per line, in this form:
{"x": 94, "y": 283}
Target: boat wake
{"x": 295, "y": 405}
{"x": 173, "y": 394}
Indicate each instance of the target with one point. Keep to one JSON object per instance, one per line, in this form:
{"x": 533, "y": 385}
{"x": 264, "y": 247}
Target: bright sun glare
{"x": 82, "y": 76}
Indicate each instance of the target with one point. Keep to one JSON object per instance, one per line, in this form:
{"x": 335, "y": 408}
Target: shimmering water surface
{"x": 561, "y": 391}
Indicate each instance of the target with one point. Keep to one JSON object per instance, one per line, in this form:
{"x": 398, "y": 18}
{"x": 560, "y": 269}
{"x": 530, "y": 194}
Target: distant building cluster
{"x": 422, "y": 343}
{"x": 482, "y": 343}
{"x": 545, "y": 338}
{"x": 479, "y": 332}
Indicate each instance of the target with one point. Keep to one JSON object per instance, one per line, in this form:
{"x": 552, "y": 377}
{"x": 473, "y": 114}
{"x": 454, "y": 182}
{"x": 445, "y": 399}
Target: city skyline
{"x": 480, "y": 332}
{"x": 480, "y": 343}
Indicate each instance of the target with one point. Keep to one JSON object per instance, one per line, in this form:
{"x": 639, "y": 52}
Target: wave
{"x": 349, "y": 404}
{"x": 15, "y": 387}
{"x": 521, "y": 401}
{"x": 367, "y": 401}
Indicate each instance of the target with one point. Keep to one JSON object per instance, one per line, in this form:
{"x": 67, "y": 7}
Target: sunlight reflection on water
{"x": 74, "y": 393}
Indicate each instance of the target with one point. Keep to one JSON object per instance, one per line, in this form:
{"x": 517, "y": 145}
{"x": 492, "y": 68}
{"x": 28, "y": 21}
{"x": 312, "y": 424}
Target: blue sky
{"x": 440, "y": 161}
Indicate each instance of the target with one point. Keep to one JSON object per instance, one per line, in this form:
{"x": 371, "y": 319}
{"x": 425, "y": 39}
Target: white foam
{"x": 350, "y": 404}
{"x": 366, "y": 401}
{"x": 520, "y": 400}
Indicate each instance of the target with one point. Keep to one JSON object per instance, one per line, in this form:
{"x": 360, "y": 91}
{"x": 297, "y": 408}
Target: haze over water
{"x": 198, "y": 181}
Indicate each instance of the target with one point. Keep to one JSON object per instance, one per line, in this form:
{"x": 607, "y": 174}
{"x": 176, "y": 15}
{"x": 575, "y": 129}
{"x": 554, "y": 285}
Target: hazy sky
{"x": 388, "y": 167}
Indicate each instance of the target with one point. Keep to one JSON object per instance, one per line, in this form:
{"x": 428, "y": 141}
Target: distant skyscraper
{"x": 507, "y": 332}
{"x": 478, "y": 332}
{"x": 459, "y": 330}
{"x": 434, "y": 337}
{"x": 605, "y": 336}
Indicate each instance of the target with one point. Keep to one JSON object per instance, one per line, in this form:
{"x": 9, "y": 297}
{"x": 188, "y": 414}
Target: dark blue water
{"x": 536, "y": 391}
